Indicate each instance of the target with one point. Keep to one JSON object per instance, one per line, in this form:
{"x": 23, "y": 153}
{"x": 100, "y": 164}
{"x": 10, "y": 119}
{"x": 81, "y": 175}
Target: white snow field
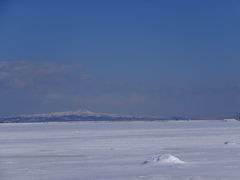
{"x": 120, "y": 150}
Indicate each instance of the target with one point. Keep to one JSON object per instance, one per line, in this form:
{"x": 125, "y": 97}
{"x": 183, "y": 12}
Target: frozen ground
{"x": 120, "y": 150}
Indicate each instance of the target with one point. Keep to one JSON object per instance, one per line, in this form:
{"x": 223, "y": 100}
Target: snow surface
{"x": 118, "y": 150}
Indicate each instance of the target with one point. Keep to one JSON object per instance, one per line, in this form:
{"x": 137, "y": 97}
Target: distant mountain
{"x": 68, "y": 116}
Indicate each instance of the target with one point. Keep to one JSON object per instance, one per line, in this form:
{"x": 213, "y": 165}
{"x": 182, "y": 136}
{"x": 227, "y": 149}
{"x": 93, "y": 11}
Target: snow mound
{"x": 164, "y": 159}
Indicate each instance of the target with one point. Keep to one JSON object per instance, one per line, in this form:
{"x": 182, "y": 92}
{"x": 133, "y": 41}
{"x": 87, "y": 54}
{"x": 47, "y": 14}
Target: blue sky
{"x": 133, "y": 57}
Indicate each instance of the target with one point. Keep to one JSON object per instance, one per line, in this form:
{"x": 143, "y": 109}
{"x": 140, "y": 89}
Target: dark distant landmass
{"x": 69, "y": 116}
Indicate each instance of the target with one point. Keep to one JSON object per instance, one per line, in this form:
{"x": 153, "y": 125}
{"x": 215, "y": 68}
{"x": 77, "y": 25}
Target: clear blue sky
{"x": 150, "y": 57}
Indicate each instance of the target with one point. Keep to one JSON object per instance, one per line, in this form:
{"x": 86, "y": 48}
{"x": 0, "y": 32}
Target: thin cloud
{"x": 28, "y": 74}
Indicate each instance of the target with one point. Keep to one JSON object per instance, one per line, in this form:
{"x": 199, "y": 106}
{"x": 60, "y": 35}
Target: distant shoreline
{"x": 109, "y": 121}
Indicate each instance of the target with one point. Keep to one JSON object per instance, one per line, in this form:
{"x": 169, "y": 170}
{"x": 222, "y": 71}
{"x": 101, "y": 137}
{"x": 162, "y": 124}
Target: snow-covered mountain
{"x": 80, "y": 115}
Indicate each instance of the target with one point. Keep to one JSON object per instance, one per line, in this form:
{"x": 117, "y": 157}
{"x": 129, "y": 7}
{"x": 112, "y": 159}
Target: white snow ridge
{"x": 164, "y": 159}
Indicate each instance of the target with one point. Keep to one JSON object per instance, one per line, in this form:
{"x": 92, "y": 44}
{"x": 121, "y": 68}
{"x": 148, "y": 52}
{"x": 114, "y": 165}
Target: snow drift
{"x": 164, "y": 159}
